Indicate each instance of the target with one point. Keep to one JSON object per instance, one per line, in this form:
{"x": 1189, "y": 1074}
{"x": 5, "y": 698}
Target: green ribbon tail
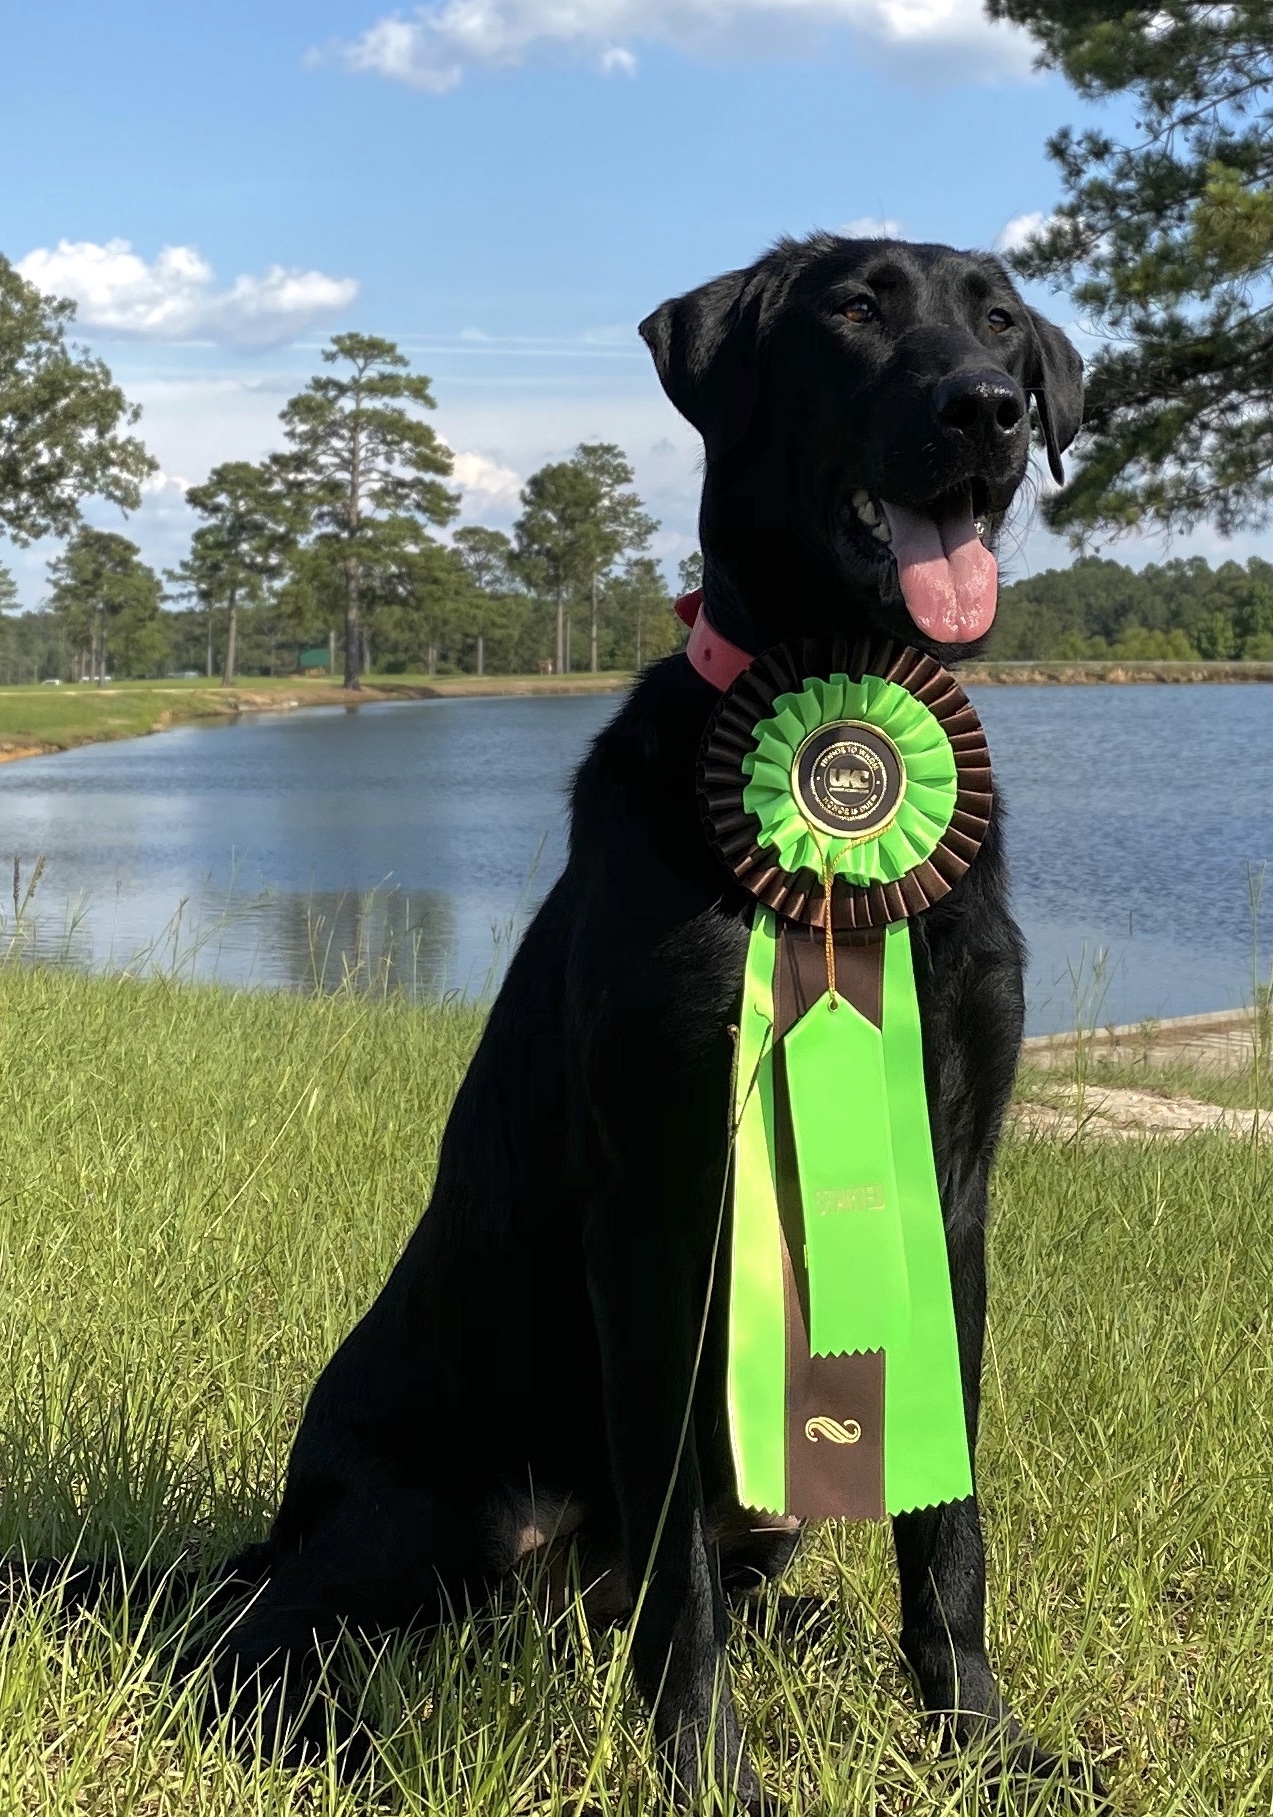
{"x": 757, "y": 1366}
{"x": 926, "y": 1453}
{"x": 859, "y": 1298}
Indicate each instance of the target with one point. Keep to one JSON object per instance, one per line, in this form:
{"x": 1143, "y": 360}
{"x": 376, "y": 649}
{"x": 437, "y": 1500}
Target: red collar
{"x": 717, "y": 660}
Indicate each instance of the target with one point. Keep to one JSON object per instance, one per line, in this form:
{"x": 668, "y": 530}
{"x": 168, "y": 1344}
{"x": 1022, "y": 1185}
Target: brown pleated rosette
{"x": 735, "y": 832}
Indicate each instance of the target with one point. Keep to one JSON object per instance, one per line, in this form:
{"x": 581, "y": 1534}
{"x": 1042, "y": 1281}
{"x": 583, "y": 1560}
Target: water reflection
{"x": 393, "y": 847}
{"x": 382, "y": 941}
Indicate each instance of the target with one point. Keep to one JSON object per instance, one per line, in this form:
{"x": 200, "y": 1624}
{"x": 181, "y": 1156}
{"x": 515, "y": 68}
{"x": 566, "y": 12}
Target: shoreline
{"x": 1219, "y": 1040}
{"x": 191, "y": 705}
{"x": 1111, "y": 673}
{"x": 205, "y": 704}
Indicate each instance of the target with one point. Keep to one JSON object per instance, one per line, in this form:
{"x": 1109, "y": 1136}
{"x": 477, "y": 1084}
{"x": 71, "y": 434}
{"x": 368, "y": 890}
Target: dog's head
{"x": 865, "y": 411}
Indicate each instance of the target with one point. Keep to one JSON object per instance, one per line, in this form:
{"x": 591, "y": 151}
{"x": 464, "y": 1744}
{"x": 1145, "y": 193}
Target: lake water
{"x": 383, "y": 842}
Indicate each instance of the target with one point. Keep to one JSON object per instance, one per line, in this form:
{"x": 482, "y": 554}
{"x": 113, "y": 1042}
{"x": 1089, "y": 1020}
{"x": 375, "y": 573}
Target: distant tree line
{"x": 1175, "y": 611}
{"x": 328, "y": 544}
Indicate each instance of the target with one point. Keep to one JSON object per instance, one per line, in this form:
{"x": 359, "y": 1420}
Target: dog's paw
{"x": 796, "y": 1621}
{"x": 713, "y": 1773}
{"x": 1027, "y": 1780}
{"x": 281, "y": 1711}
{"x": 1020, "y": 1777}
{"x": 70, "y": 1584}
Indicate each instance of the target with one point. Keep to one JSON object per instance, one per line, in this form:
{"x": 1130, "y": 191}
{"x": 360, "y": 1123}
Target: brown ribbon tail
{"x": 835, "y": 1424}
{"x": 834, "y": 1404}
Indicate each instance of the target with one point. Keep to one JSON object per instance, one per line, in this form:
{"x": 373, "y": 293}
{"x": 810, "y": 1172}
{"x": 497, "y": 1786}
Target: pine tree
{"x": 8, "y": 603}
{"x": 107, "y": 602}
{"x": 359, "y": 456}
{"x": 489, "y": 561}
{"x": 1166, "y": 244}
{"x": 578, "y": 518}
{"x": 253, "y": 522}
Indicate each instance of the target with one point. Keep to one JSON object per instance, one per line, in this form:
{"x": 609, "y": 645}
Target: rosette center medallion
{"x": 849, "y": 779}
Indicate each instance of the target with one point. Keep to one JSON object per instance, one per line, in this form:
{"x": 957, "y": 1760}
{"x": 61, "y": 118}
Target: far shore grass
{"x": 200, "y": 1191}
{"x": 36, "y": 718}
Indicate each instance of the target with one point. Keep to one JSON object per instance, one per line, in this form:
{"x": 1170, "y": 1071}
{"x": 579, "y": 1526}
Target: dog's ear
{"x": 1055, "y": 380}
{"x": 706, "y": 345}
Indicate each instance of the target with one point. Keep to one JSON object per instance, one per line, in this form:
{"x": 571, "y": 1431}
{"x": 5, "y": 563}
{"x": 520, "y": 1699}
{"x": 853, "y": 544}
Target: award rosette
{"x": 847, "y": 788}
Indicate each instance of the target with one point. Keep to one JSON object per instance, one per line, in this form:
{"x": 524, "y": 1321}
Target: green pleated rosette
{"x": 928, "y": 763}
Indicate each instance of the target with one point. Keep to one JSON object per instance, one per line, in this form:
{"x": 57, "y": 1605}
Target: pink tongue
{"x": 950, "y": 581}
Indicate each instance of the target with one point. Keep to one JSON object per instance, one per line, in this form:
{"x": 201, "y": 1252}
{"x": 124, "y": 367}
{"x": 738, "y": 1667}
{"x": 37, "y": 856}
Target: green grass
{"x": 200, "y": 1191}
{"x": 57, "y": 718}
{"x": 44, "y": 718}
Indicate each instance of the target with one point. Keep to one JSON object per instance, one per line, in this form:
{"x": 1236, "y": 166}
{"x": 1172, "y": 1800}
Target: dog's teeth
{"x": 979, "y": 525}
{"x": 867, "y": 515}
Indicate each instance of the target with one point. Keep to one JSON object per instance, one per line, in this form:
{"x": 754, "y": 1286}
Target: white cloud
{"x": 870, "y": 227}
{"x": 170, "y": 486}
{"x": 485, "y": 483}
{"x": 1014, "y": 234}
{"x": 174, "y": 296}
{"x": 437, "y": 44}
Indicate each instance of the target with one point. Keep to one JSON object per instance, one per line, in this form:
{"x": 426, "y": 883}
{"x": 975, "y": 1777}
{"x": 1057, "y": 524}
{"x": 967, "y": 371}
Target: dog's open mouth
{"x": 949, "y": 579}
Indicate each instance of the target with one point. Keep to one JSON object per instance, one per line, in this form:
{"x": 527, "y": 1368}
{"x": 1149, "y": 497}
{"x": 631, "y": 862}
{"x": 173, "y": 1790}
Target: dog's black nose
{"x": 989, "y": 405}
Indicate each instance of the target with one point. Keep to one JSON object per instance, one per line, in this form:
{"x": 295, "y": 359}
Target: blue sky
{"x": 503, "y": 186}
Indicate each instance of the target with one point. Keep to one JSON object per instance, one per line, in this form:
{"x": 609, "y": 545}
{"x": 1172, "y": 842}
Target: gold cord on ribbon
{"x": 827, "y": 879}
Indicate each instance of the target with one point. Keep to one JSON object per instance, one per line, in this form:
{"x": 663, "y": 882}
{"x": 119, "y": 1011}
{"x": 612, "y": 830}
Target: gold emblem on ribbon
{"x": 846, "y": 1432}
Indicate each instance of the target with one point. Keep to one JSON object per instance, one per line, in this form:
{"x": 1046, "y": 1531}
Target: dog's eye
{"x": 860, "y": 309}
{"x": 1000, "y": 321}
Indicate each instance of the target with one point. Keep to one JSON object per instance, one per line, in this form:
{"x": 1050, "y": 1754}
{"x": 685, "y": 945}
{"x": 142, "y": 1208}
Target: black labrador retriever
{"x": 532, "y": 1371}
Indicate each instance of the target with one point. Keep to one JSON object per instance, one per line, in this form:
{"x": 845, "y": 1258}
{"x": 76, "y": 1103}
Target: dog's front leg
{"x": 942, "y": 1570}
{"x": 647, "y": 1295}
{"x": 971, "y": 990}
{"x": 940, "y": 1554}
{"x": 975, "y": 1030}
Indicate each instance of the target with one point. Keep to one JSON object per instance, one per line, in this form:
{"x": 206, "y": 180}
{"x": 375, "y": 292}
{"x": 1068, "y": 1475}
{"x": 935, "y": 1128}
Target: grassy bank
{"x": 200, "y": 1191}
{"x": 36, "y": 719}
